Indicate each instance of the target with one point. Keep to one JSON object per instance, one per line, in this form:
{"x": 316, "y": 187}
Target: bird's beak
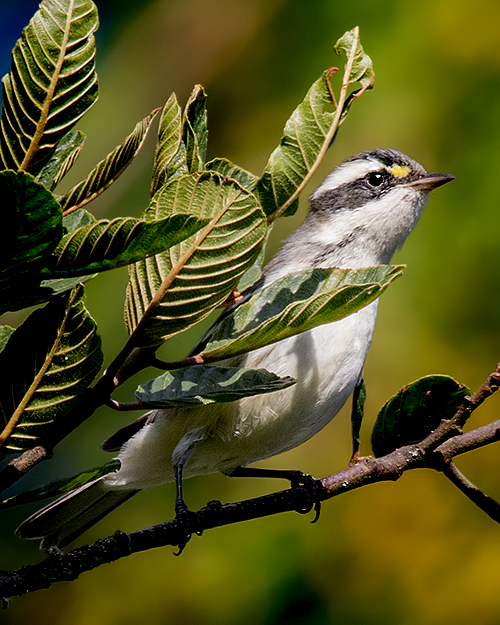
{"x": 430, "y": 181}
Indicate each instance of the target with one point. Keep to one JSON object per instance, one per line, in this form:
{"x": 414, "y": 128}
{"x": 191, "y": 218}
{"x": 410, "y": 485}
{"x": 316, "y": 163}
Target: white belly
{"x": 327, "y": 363}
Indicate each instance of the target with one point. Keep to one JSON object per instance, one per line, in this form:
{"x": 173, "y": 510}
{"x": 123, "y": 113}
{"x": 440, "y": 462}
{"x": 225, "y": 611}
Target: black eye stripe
{"x": 356, "y": 193}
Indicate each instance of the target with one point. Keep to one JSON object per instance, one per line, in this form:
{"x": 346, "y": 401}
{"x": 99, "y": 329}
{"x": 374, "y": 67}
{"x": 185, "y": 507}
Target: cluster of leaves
{"x": 198, "y": 242}
{"x": 204, "y": 229}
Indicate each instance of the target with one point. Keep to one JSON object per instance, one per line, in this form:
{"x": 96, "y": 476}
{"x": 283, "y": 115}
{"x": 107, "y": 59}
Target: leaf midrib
{"x": 7, "y": 431}
{"x": 42, "y": 122}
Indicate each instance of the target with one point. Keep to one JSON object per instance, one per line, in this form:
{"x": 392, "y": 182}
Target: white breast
{"x": 327, "y": 363}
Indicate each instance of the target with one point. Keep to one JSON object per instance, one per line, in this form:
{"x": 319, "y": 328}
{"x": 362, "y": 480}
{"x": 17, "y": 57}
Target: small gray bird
{"x": 359, "y": 216}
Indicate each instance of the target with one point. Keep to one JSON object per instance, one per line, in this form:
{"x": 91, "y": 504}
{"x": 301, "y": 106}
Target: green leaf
{"x": 295, "y": 303}
{"x": 108, "y": 170}
{"x": 203, "y": 384}
{"x": 62, "y": 160}
{"x": 194, "y": 277}
{"x": 304, "y": 138}
{"x": 44, "y": 292}
{"x": 5, "y": 333}
{"x": 59, "y": 487}
{"x": 253, "y": 273}
{"x": 307, "y": 135}
{"x": 48, "y": 362}
{"x": 105, "y": 244}
{"x": 168, "y": 142}
{"x": 415, "y": 411}
{"x": 195, "y": 133}
{"x": 52, "y": 82}
{"x": 229, "y": 170}
{"x": 362, "y": 67}
{"x": 182, "y": 139}
{"x": 33, "y": 220}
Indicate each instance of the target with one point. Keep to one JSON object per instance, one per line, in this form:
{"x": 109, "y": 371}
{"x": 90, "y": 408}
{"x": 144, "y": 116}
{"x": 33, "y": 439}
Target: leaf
{"x": 415, "y": 411}
{"x": 44, "y": 292}
{"x": 46, "y": 365}
{"x": 105, "y": 244}
{"x": 33, "y": 219}
{"x": 62, "y": 160}
{"x": 203, "y": 384}
{"x": 195, "y": 131}
{"x": 59, "y": 487}
{"x": 168, "y": 142}
{"x": 52, "y": 82}
{"x": 191, "y": 279}
{"x": 307, "y": 135}
{"x": 296, "y": 303}
{"x": 5, "y": 333}
{"x": 253, "y": 273}
{"x": 182, "y": 139}
{"x": 362, "y": 66}
{"x": 229, "y": 170}
{"x": 107, "y": 171}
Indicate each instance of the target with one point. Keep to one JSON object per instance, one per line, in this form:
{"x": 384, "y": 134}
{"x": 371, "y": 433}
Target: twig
{"x": 482, "y": 500}
{"x": 22, "y": 464}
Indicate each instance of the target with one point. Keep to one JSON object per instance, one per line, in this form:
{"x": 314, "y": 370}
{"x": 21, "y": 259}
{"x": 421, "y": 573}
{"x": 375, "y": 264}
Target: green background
{"x": 407, "y": 553}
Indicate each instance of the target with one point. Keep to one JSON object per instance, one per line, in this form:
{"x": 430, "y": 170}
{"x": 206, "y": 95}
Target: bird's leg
{"x": 358, "y": 407}
{"x": 187, "y": 520}
{"x": 296, "y": 478}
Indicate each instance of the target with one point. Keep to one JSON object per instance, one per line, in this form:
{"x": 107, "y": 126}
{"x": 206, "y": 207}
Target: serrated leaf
{"x": 192, "y": 278}
{"x": 203, "y": 384}
{"x": 295, "y": 303}
{"x": 46, "y": 365}
{"x": 415, "y": 411}
{"x": 60, "y": 487}
{"x": 62, "y": 160}
{"x": 307, "y": 135}
{"x": 362, "y": 66}
{"x": 168, "y": 142}
{"x": 52, "y": 82}
{"x": 229, "y": 170}
{"x": 107, "y": 171}
{"x": 33, "y": 219}
{"x": 105, "y": 245}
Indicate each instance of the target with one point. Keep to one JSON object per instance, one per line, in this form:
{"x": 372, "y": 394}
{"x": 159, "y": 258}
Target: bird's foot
{"x": 187, "y": 524}
{"x": 314, "y": 489}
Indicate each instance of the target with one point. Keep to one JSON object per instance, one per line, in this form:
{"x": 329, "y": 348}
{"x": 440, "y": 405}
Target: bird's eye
{"x": 375, "y": 179}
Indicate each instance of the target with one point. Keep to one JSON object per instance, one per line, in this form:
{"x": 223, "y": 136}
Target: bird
{"x": 360, "y": 214}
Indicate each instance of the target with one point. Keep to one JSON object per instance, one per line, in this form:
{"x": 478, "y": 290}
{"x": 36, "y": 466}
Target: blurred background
{"x": 409, "y": 553}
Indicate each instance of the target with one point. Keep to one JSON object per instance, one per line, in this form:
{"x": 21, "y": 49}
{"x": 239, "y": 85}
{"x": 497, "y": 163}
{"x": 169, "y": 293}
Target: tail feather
{"x": 64, "y": 519}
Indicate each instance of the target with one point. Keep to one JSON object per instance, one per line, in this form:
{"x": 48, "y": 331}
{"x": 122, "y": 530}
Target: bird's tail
{"x": 64, "y": 519}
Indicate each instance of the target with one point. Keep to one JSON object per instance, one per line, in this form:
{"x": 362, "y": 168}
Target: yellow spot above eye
{"x": 399, "y": 171}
